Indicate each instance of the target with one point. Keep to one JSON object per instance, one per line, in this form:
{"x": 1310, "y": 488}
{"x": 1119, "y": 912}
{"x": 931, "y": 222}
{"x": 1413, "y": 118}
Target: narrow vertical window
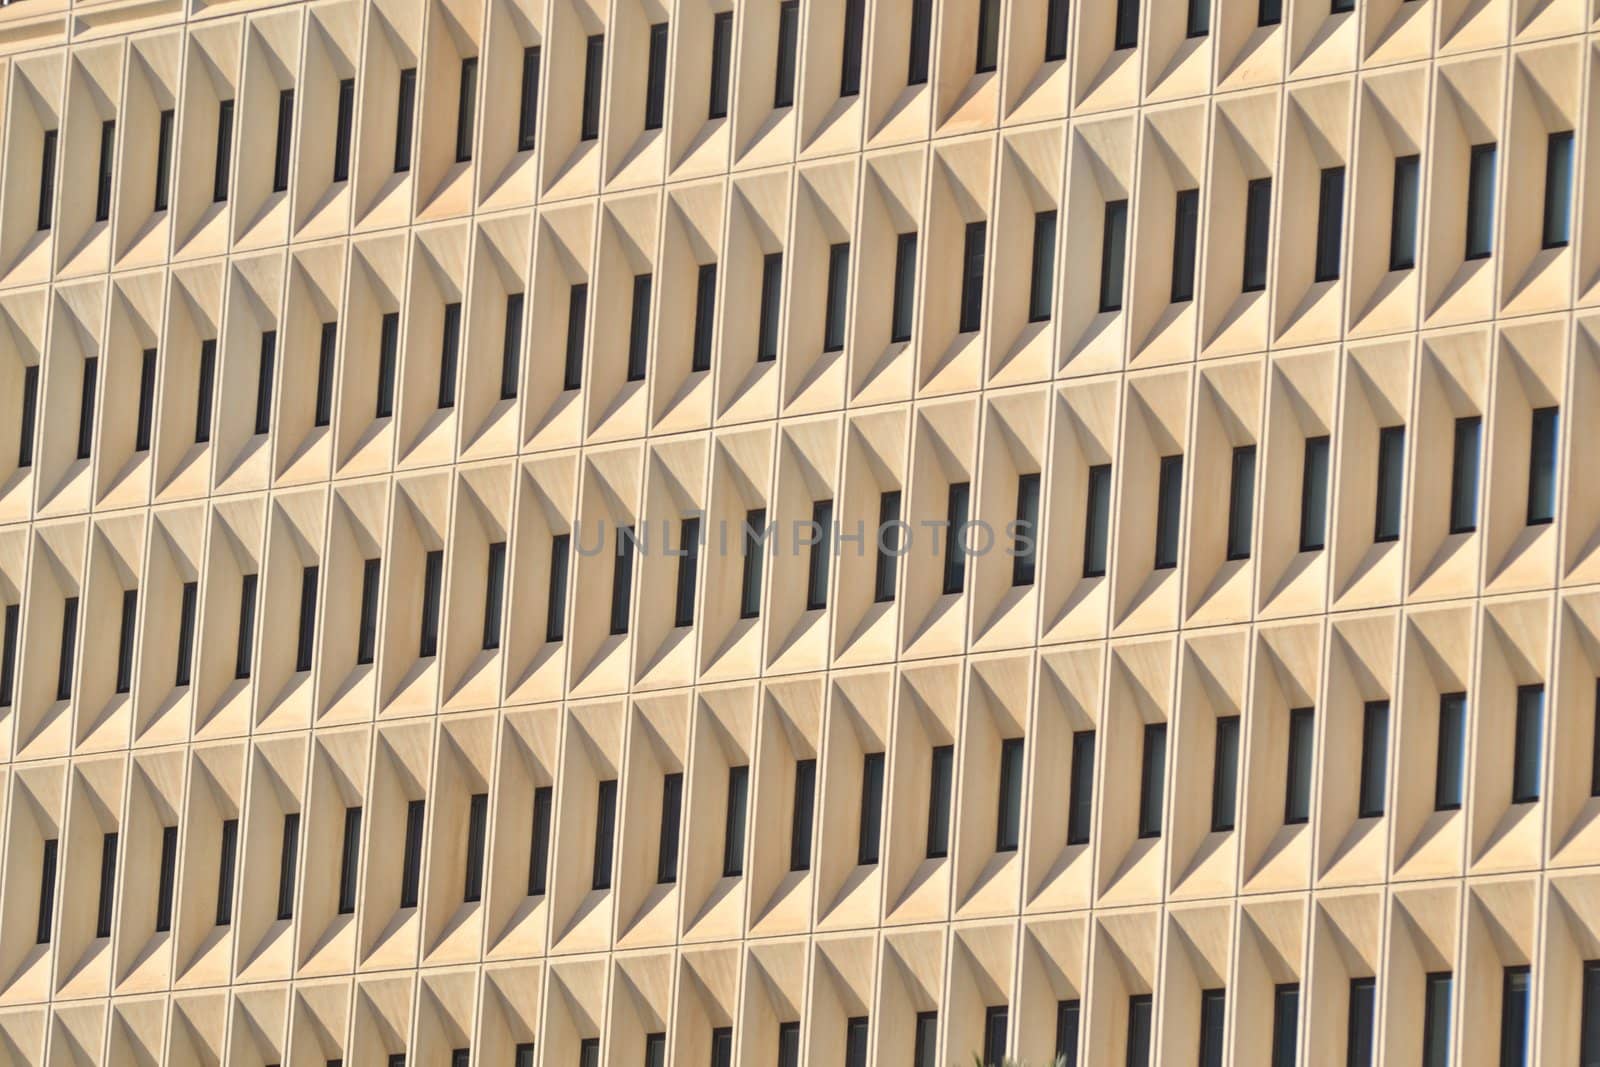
{"x": 461, "y": 1057}
{"x": 108, "y": 146}
{"x": 1450, "y": 766}
{"x": 577, "y": 311}
{"x": 477, "y": 832}
{"x": 288, "y": 860}
{"x": 1055, "y": 31}
{"x": 528, "y": 101}
{"x": 8, "y": 655}
{"x": 1589, "y": 1052}
{"x": 925, "y": 1048}
{"x": 349, "y": 860}
{"x": 1080, "y": 788}
{"x": 108, "y": 885}
{"x": 1213, "y": 1020}
{"x": 1024, "y": 563}
{"x": 1527, "y": 755}
{"x": 523, "y": 1055}
{"x": 167, "y": 879}
{"x": 91, "y": 368}
{"x": 941, "y": 780}
{"x": 1152, "y": 779}
{"x": 1225, "y": 775}
{"x": 494, "y": 595}
{"x": 1514, "y": 1016}
{"x": 771, "y": 297}
{"x": 593, "y": 67}
{"x": 1285, "y": 1024}
{"x": 733, "y": 825}
{"x": 47, "y": 894}
{"x": 1097, "y": 521}
{"x": 805, "y": 792}
{"x": 227, "y": 855}
{"x": 988, "y": 32}
{"x": 1269, "y": 12}
{"x": 1594, "y": 771}
{"x": 688, "y": 571}
{"x": 855, "y": 1041}
{"x": 655, "y": 1049}
{"x": 1542, "y": 441}
{"x": 69, "y": 647}
{"x": 130, "y": 613}
{"x": 1374, "y": 781}
{"x": 411, "y": 858}
{"x": 511, "y": 347}
{"x": 1403, "y": 214}
{"x": 1480, "y": 202}
{"x": 868, "y": 841}
{"x": 855, "y": 18}
{"x": 555, "y": 624}
{"x": 539, "y": 847}
{"x": 1314, "y": 494}
{"x": 921, "y": 42}
{"x": 1169, "y": 507}
{"x": 836, "y": 307}
{"x": 280, "y": 157}
{"x": 405, "y": 118}
{"x": 1198, "y": 23}
{"x": 754, "y": 546}
{"x": 671, "y": 819}
{"x": 449, "y": 355}
{"x": 1341, "y": 7}
{"x": 784, "y": 62}
{"x": 1141, "y": 1014}
{"x": 1068, "y": 1014}
{"x": 1113, "y": 253}
{"x": 972, "y": 276}
{"x": 955, "y": 549}
{"x": 1436, "y": 1019}
{"x": 1185, "y": 244}
{"x": 432, "y": 602}
{"x": 1008, "y": 826}
{"x": 223, "y": 163}
{"x": 722, "y": 1046}
{"x": 245, "y": 645}
{"x": 1361, "y": 1028}
{"x": 1297, "y": 777}
{"x": 622, "y": 582}
{"x": 721, "y": 64}
{"x": 308, "y": 619}
{"x": 705, "y": 306}
{"x": 466, "y": 108}
{"x": 187, "y": 609}
{"x": 1391, "y": 481}
{"x": 905, "y": 287}
{"x": 887, "y": 547}
{"x": 1558, "y": 190}
{"x": 1464, "y": 474}
{"x": 1330, "y": 223}
{"x": 344, "y": 130}
{"x": 1041, "y": 284}
{"x": 655, "y": 95}
{"x": 205, "y": 390}
{"x": 605, "y": 822}
{"x": 47, "y": 180}
{"x": 789, "y": 1044}
{"x": 264, "y": 369}
{"x": 994, "y": 1036}
{"x": 589, "y": 1052}
{"x": 639, "y": 328}
{"x": 1241, "y": 502}
{"x": 326, "y": 346}
{"x": 388, "y": 362}
{"x": 28, "y": 417}
{"x": 821, "y": 555}
{"x": 367, "y": 639}
{"x": 164, "y": 143}
{"x": 1126, "y": 34}
{"x": 1257, "y": 229}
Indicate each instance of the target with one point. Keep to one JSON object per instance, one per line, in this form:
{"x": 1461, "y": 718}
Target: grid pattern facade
{"x": 388, "y": 392}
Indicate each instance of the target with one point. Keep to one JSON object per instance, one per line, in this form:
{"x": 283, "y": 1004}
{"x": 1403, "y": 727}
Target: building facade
{"x": 477, "y": 486}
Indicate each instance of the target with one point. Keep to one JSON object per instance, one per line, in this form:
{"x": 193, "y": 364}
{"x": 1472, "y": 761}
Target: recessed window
{"x": 1055, "y": 31}
{"x": 1464, "y": 474}
{"x": 1330, "y": 223}
{"x": 1480, "y": 202}
{"x": 972, "y": 250}
{"x": 921, "y": 33}
{"x": 577, "y": 313}
{"x": 855, "y": 18}
{"x": 805, "y": 792}
{"x": 281, "y": 152}
{"x": 755, "y": 535}
{"x": 905, "y": 287}
{"x": 1241, "y": 502}
{"x": 288, "y": 861}
{"x": 1285, "y": 1024}
{"x": 721, "y": 63}
{"x": 994, "y": 1036}
{"x": 1024, "y": 563}
{"x": 1257, "y": 230}
{"x": 432, "y": 603}
{"x": 264, "y": 370}
{"x": 925, "y": 1047}
{"x": 1213, "y": 1026}
{"x": 988, "y": 33}
{"x": 528, "y": 101}
{"x": 223, "y": 162}
{"x": 1361, "y": 1026}
{"x": 1152, "y": 779}
{"x": 1269, "y": 12}
{"x": 108, "y": 146}
{"x": 306, "y": 638}
{"x": 68, "y": 649}
{"x": 28, "y": 415}
{"x": 86, "y": 399}
{"x": 466, "y": 109}
{"x": 1558, "y": 168}
{"x": 405, "y": 119}
{"x": 671, "y": 820}
{"x": 511, "y": 347}
{"x": 886, "y": 547}
{"x": 1225, "y": 774}
{"x": 388, "y": 363}
{"x": 244, "y": 650}
{"x": 1141, "y": 1019}
{"x": 1097, "y": 521}
{"x": 1373, "y": 785}
{"x": 835, "y": 307}
{"x": 227, "y": 858}
{"x": 1169, "y": 507}
{"x": 871, "y": 829}
{"x": 494, "y": 591}
{"x": 544, "y": 803}
{"x": 1528, "y": 745}
{"x": 327, "y": 347}
{"x": 688, "y": 571}
{"x": 1068, "y": 1016}
{"x": 47, "y": 893}
{"x": 164, "y": 146}
{"x": 639, "y": 328}
{"x": 106, "y": 900}
{"x": 1008, "y": 833}
{"x": 955, "y": 551}
{"x": 734, "y": 822}
{"x": 1543, "y": 437}
{"x": 941, "y": 785}
{"x": 1515, "y": 1014}
{"x": 821, "y": 555}
{"x": 1080, "y": 788}
{"x": 1041, "y": 285}
{"x": 1185, "y": 244}
{"x": 784, "y": 62}
{"x": 349, "y": 860}
{"x": 622, "y": 581}
{"x": 1436, "y": 993}
{"x": 1391, "y": 483}
{"x": 1198, "y": 23}
{"x": 125, "y": 637}
{"x": 367, "y": 636}
{"x": 771, "y": 298}
{"x": 605, "y": 828}
{"x": 1451, "y": 756}
{"x": 449, "y": 355}
{"x": 1126, "y": 33}
{"x": 411, "y": 857}
{"x": 1403, "y": 214}
{"x": 705, "y": 306}
{"x": 166, "y": 878}
{"x": 1113, "y": 252}
{"x": 855, "y": 1041}
{"x": 344, "y": 130}
{"x": 593, "y": 71}
{"x": 188, "y": 609}
{"x": 1297, "y": 785}
{"x": 556, "y": 603}
{"x": 655, "y": 95}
